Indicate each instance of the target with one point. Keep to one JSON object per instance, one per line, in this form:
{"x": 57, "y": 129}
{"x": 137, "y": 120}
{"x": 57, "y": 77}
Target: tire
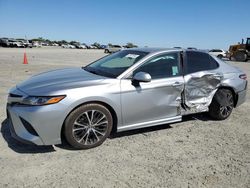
{"x": 222, "y": 104}
{"x": 220, "y": 56}
{"x": 88, "y": 126}
{"x": 106, "y": 51}
{"x": 240, "y": 56}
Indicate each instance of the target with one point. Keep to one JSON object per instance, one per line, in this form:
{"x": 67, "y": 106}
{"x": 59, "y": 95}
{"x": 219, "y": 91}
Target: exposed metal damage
{"x": 200, "y": 89}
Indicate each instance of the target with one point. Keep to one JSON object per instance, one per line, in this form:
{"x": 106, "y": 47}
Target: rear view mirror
{"x": 142, "y": 77}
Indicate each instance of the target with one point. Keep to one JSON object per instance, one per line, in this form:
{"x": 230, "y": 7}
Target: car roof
{"x": 157, "y": 50}
{"x": 154, "y": 50}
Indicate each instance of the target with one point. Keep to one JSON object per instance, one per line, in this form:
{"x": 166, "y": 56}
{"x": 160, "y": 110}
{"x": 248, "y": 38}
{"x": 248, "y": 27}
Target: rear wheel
{"x": 88, "y": 126}
{"x": 222, "y": 104}
{"x": 241, "y": 56}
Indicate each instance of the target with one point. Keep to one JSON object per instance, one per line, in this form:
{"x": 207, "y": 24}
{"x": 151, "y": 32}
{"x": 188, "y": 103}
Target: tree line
{"x": 64, "y": 42}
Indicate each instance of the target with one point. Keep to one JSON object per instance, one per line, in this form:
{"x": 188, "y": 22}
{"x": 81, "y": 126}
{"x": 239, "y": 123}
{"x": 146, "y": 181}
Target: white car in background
{"x": 113, "y": 48}
{"x": 82, "y": 46}
{"x": 36, "y": 44}
{"x": 92, "y": 47}
{"x": 68, "y": 46}
{"x": 218, "y": 53}
{"x": 55, "y": 44}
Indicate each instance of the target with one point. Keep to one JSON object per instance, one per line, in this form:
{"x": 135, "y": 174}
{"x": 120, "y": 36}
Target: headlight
{"x": 33, "y": 100}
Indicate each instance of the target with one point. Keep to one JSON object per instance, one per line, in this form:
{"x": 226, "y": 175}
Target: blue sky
{"x": 155, "y": 23}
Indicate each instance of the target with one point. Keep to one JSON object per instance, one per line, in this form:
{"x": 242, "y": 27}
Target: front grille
{"x": 28, "y": 127}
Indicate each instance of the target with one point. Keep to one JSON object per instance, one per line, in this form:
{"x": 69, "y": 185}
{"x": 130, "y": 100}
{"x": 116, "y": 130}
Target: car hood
{"x": 58, "y": 80}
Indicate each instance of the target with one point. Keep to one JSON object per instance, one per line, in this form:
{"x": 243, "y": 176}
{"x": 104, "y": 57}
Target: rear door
{"x": 202, "y": 78}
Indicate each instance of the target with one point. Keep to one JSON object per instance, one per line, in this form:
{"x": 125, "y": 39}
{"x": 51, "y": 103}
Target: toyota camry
{"x": 127, "y": 90}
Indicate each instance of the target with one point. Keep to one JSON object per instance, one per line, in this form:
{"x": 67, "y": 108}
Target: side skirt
{"x": 149, "y": 123}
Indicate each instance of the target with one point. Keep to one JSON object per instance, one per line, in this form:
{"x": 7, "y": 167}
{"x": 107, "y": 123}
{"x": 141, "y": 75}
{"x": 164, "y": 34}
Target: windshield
{"x": 115, "y": 64}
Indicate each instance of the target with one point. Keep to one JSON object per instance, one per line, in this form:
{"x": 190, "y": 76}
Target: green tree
{"x": 61, "y": 42}
{"x": 74, "y": 42}
{"x": 96, "y": 44}
{"x": 131, "y": 45}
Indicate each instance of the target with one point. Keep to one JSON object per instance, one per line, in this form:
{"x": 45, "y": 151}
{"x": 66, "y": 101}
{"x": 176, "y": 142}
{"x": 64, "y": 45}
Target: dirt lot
{"x": 197, "y": 152}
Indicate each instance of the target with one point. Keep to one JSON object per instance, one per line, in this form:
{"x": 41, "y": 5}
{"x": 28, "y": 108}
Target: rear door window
{"x": 199, "y": 61}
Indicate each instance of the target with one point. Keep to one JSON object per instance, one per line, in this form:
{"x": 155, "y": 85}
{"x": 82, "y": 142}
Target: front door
{"x": 157, "y": 100}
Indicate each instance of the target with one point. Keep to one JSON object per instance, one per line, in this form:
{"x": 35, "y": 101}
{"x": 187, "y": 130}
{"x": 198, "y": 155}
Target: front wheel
{"x": 88, "y": 126}
{"x": 220, "y": 56}
{"x": 222, "y": 104}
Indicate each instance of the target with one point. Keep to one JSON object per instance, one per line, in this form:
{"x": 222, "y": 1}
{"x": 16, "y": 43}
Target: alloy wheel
{"x": 225, "y": 110}
{"x": 90, "y": 127}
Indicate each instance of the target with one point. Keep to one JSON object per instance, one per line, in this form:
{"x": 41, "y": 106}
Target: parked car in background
{"x": 92, "y": 47}
{"x": 71, "y": 46}
{"x": 127, "y": 90}
{"x": 218, "y": 53}
{"x": 54, "y": 44}
{"x": 112, "y": 48}
{"x": 64, "y": 45}
{"x": 13, "y": 43}
{"x": 26, "y": 43}
{"x": 103, "y": 46}
{"x": 85, "y": 46}
{"x": 192, "y": 48}
{"x": 4, "y": 42}
{"x": 68, "y": 46}
{"x": 36, "y": 44}
{"x": 44, "y": 44}
{"x": 80, "y": 46}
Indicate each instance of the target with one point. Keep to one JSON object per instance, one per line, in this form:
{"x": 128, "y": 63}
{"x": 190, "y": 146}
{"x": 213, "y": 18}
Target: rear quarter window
{"x": 199, "y": 61}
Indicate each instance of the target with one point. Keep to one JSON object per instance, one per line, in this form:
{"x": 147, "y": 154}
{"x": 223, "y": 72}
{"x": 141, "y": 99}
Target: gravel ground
{"x": 197, "y": 152}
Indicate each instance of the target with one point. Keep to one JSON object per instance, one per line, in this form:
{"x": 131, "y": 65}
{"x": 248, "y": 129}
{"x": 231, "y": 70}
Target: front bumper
{"x": 18, "y": 130}
{"x": 40, "y": 125}
{"x": 13, "y": 132}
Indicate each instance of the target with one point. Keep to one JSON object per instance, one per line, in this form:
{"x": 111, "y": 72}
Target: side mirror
{"x": 142, "y": 77}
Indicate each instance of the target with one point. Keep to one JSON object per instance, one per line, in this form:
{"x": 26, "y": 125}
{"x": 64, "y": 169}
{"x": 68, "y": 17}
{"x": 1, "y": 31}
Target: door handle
{"x": 176, "y": 84}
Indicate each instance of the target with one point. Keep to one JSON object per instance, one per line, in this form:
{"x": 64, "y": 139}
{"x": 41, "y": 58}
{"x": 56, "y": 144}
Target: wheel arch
{"x": 235, "y": 96}
{"x": 109, "y": 107}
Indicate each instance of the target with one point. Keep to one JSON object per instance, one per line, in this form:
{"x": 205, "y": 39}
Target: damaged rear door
{"x": 202, "y": 79}
{"x": 156, "y": 100}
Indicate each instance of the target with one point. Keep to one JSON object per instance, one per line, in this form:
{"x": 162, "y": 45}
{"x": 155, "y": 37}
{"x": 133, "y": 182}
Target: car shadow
{"x": 142, "y": 131}
{"x": 28, "y": 148}
{"x": 201, "y": 117}
{"x": 21, "y": 147}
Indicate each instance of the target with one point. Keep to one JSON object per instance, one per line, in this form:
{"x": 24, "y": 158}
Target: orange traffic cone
{"x": 25, "y": 60}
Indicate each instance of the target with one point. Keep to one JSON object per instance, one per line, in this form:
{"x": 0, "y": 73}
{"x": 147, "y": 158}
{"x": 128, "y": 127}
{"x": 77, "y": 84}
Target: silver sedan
{"x": 127, "y": 90}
